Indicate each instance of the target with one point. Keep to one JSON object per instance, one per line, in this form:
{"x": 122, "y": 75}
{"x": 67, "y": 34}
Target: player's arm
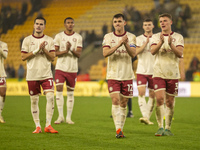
{"x": 60, "y": 53}
{"x": 178, "y": 51}
{"x": 107, "y": 51}
{"x": 26, "y": 56}
{"x": 141, "y": 48}
{"x": 131, "y": 50}
{"x": 182, "y": 68}
{"x": 4, "y": 53}
{"x": 49, "y": 54}
{"x": 77, "y": 52}
{"x": 155, "y": 48}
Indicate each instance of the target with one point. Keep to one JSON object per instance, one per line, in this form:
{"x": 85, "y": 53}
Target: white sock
{"x": 123, "y": 116}
{"x": 49, "y": 107}
{"x": 169, "y": 112}
{"x": 35, "y": 110}
{"x": 116, "y": 116}
{"x": 150, "y": 106}
{"x": 142, "y": 105}
{"x": 60, "y": 103}
{"x": 70, "y": 104}
{"x": 1, "y": 104}
{"x": 160, "y": 112}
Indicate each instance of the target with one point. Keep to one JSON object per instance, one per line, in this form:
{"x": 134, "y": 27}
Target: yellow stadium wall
{"x": 92, "y": 88}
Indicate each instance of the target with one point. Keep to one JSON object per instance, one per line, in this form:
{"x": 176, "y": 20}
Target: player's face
{"x": 148, "y": 26}
{"x": 165, "y": 23}
{"x": 39, "y": 26}
{"x": 69, "y": 24}
{"x": 118, "y": 23}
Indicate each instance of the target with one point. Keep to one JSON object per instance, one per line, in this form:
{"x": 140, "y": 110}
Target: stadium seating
{"x": 91, "y": 15}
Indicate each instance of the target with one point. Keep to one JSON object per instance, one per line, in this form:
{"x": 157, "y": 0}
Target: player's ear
{"x": 125, "y": 22}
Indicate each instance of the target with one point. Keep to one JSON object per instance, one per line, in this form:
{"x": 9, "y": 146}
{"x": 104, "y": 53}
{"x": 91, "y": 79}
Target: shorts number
{"x": 130, "y": 87}
{"x": 2, "y": 80}
{"x": 51, "y": 82}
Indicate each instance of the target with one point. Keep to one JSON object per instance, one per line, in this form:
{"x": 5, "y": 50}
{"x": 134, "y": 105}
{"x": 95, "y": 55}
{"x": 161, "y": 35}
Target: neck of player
{"x": 38, "y": 34}
{"x": 69, "y": 31}
{"x": 120, "y": 32}
{"x": 166, "y": 31}
{"x": 148, "y": 33}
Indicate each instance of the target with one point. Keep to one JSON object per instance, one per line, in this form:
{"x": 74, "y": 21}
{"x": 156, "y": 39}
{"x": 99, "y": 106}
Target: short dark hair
{"x": 41, "y": 18}
{"x": 166, "y": 15}
{"x": 118, "y": 16}
{"x": 68, "y": 18}
{"x": 147, "y": 20}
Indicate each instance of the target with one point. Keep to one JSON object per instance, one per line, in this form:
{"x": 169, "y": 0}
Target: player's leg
{"x": 48, "y": 88}
{"x": 160, "y": 112}
{"x": 34, "y": 92}
{"x": 59, "y": 80}
{"x": 172, "y": 91}
{"x": 142, "y": 101}
{"x": 70, "y": 105}
{"x": 70, "y": 83}
{"x": 60, "y": 103}
{"x": 35, "y": 112}
{"x": 130, "y": 113}
{"x": 169, "y": 112}
{"x": 123, "y": 110}
{"x": 159, "y": 89}
{"x": 2, "y": 101}
{"x": 151, "y": 102}
{"x": 116, "y": 109}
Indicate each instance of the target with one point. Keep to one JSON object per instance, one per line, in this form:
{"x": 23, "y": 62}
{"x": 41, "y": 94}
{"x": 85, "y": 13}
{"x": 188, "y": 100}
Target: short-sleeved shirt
{"x": 3, "y": 49}
{"x": 119, "y": 66}
{"x": 38, "y": 67}
{"x": 145, "y": 59}
{"x": 67, "y": 62}
{"x": 166, "y": 63}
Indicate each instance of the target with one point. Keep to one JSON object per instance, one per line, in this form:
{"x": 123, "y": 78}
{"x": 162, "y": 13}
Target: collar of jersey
{"x": 167, "y": 34}
{"x": 38, "y": 37}
{"x": 69, "y": 34}
{"x": 119, "y": 35}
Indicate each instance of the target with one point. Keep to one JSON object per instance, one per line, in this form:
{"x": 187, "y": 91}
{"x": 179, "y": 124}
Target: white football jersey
{"x": 119, "y": 65}
{"x": 166, "y": 62}
{"x": 145, "y": 58}
{"x": 67, "y": 62}
{"x": 3, "y": 52}
{"x": 38, "y": 67}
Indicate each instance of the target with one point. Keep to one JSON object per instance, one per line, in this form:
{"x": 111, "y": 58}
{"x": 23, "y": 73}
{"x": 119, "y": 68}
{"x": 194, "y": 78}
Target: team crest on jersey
{"x": 139, "y": 82}
{"x": 63, "y": 39}
{"x": 111, "y": 88}
{"x": 173, "y": 39}
{"x": 31, "y": 92}
{"x": 74, "y": 39}
{"x": 155, "y": 86}
{"x": 32, "y": 43}
{"x": 45, "y": 42}
{"x": 57, "y": 80}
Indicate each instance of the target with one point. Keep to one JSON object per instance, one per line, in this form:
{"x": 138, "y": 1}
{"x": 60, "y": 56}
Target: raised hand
{"x": 68, "y": 45}
{"x": 162, "y": 38}
{"x": 170, "y": 40}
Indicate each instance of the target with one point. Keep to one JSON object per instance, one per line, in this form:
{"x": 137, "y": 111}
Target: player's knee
{"x": 59, "y": 88}
{"x": 34, "y": 99}
{"x": 50, "y": 96}
{"x": 160, "y": 100}
{"x": 3, "y": 92}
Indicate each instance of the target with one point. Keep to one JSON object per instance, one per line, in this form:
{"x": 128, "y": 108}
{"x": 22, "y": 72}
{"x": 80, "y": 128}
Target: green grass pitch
{"x": 94, "y": 129}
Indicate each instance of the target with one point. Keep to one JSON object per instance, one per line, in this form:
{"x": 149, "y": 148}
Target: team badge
{"x": 111, "y": 88}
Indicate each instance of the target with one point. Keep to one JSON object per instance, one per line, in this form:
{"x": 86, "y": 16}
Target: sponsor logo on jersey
{"x": 112, "y": 41}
